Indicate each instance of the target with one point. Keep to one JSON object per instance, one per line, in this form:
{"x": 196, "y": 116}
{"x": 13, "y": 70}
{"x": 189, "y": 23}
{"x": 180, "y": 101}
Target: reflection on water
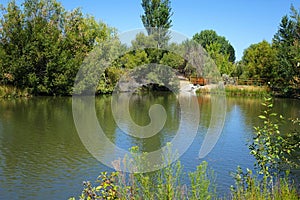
{"x": 41, "y": 155}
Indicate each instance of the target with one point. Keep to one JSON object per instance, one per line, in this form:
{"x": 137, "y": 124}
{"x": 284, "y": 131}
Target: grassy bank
{"x": 12, "y": 92}
{"x": 238, "y": 90}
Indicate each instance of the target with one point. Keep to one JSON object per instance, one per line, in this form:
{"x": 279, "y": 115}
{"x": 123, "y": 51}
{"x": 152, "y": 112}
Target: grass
{"x": 7, "y": 91}
{"x": 246, "y": 90}
{"x": 249, "y": 187}
{"x": 239, "y": 90}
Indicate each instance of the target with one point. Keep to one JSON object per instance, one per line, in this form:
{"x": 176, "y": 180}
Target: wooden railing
{"x": 198, "y": 80}
{"x": 229, "y": 81}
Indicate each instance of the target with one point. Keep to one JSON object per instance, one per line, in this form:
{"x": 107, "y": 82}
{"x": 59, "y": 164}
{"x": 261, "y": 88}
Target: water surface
{"x": 42, "y": 157}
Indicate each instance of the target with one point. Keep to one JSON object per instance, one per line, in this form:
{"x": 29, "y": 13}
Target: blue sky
{"x": 242, "y": 22}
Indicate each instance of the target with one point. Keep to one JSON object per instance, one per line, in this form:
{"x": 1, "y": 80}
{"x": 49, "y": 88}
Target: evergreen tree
{"x": 157, "y": 19}
{"x": 287, "y": 43}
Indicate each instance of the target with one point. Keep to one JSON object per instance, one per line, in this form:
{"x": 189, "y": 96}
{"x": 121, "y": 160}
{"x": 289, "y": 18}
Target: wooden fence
{"x": 252, "y": 81}
{"x": 198, "y": 80}
{"x": 229, "y": 81}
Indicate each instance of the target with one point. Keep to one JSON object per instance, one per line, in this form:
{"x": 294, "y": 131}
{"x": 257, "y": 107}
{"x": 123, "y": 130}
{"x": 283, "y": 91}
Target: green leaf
{"x": 262, "y": 117}
{"x": 98, "y": 188}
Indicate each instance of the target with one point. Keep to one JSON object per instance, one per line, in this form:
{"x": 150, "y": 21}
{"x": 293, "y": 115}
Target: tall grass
{"x": 249, "y": 187}
{"x": 232, "y": 90}
{"x": 7, "y": 91}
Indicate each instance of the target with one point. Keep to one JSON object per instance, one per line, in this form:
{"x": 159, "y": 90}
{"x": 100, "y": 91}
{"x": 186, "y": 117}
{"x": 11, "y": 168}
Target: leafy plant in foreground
{"x": 273, "y": 152}
{"x": 271, "y": 148}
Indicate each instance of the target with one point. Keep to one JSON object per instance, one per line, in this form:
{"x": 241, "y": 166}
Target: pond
{"x": 42, "y": 156}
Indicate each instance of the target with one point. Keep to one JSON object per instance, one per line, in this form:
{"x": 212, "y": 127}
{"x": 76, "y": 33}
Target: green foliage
{"x": 208, "y": 37}
{"x": 134, "y": 59}
{"x": 259, "y": 61}
{"x": 173, "y": 60}
{"x": 42, "y": 46}
{"x": 201, "y": 186}
{"x": 248, "y": 186}
{"x": 143, "y": 41}
{"x": 91, "y": 77}
{"x": 156, "y": 77}
{"x": 108, "y": 80}
{"x": 238, "y": 69}
{"x": 157, "y": 19}
{"x": 249, "y": 91}
{"x": 8, "y": 92}
{"x": 286, "y": 41}
{"x": 198, "y": 61}
{"x": 273, "y": 152}
{"x": 219, "y": 49}
{"x": 271, "y": 148}
{"x": 107, "y": 188}
{"x": 277, "y": 63}
{"x": 220, "y": 59}
{"x": 161, "y": 184}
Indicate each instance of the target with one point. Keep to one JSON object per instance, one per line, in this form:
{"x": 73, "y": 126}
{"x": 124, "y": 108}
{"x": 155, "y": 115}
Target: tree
{"x": 173, "y": 60}
{"x": 259, "y": 61}
{"x": 157, "y": 19}
{"x": 221, "y": 60}
{"x": 207, "y": 37}
{"x": 12, "y": 37}
{"x": 286, "y": 41}
{"x": 134, "y": 59}
{"x": 143, "y": 41}
{"x": 42, "y": 46}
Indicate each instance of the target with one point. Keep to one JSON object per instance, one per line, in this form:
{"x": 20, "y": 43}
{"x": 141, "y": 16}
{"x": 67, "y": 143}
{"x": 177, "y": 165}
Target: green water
{"x": 42, "y": 157}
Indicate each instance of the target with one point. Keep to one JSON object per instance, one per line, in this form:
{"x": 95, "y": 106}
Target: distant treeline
{"x": 42, "y": 47}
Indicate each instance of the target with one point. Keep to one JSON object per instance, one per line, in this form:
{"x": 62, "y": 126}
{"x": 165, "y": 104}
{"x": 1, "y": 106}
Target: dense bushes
{"x": 42, "y": 45}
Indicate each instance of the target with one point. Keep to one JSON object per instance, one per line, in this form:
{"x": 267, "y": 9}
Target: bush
{"x": 249, "y": 187}
{"x": 161, "y": 184}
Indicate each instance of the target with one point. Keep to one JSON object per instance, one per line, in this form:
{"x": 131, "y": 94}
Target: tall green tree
{"x": 286, "y": 41}
{"x": 157, "y": 19}
{"x": 12, "y": 41}
{"x": 221, "y": 60}
{"x": 259, "y": 61}
{"x": 208, "y": 37}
